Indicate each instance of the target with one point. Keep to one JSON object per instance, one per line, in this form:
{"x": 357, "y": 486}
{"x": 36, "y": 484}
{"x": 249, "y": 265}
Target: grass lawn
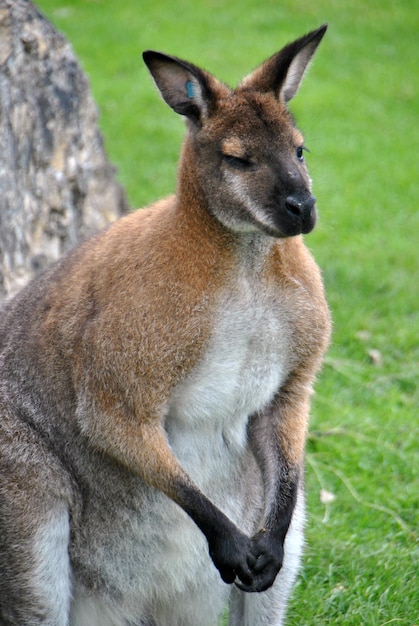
{"x": 359, "y": 110}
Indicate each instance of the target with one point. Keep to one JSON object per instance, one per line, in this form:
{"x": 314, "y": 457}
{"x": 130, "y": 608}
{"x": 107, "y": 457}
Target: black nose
{"x": 300, "y": 205}
{"x": 302, "y": 211}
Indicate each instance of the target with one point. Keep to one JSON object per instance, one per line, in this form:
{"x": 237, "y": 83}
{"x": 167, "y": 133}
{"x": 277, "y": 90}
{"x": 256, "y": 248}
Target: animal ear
{"x": 183, "y": 86}
{"x": 283, "y": 72}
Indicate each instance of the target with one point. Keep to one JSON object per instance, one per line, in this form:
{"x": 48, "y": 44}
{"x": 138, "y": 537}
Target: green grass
{"x": 359, "y": 109}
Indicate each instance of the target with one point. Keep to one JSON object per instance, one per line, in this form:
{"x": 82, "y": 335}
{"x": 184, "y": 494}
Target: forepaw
{"x": 264, "y": 561}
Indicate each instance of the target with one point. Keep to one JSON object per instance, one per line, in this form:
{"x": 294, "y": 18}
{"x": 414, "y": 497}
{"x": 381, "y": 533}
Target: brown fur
{"x": 101, "y": 355}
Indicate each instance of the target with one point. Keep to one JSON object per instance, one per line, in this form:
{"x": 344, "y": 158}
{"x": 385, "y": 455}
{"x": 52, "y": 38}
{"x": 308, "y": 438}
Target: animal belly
{"x": 209, "y": 412}
{"x": 136, "y": 548}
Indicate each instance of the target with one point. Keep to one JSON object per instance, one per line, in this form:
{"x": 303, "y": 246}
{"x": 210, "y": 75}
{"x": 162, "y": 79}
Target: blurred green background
{"x": 358, "y": 109}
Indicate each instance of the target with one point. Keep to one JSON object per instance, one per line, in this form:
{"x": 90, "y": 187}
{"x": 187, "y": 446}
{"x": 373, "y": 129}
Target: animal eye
{"x": 300, "y": 152}
{"x": 237, "y": 162}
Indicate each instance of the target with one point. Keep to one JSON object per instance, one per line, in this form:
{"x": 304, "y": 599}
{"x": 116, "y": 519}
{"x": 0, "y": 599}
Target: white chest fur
{"x": 245, "y": 364}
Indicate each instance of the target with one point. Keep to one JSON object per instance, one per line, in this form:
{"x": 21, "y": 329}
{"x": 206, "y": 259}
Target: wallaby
{"x": 155, "y": 383}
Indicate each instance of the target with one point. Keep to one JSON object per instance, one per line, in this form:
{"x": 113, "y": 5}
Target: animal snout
{"x": 300, "y": 204}
{"x": 302, "y": 207}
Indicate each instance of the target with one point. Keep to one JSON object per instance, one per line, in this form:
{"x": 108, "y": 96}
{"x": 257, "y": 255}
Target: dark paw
{"x": 229, "y": 554}
{"x": 264, "y": 560}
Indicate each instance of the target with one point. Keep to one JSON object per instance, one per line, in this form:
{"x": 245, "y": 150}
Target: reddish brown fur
{"x": 134, "y": 349}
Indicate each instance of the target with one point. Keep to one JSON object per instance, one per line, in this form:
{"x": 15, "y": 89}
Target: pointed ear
{"x": 183, "y": 86}
{"x": 283, "y": 72}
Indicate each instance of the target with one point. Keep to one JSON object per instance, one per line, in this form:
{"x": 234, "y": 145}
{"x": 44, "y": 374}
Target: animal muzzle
{"x": 301, "y": 210}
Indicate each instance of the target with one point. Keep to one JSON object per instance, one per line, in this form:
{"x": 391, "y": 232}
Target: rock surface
{"x": 57, "y": 186}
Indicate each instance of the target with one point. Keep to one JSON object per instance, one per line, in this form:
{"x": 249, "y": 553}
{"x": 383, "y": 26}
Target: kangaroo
{"x": 155, "y": 383}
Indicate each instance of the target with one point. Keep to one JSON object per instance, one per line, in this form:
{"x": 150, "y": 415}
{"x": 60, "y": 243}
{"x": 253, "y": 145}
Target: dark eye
{"x": 237, "y": 162}
{"x": 299, "y": 153}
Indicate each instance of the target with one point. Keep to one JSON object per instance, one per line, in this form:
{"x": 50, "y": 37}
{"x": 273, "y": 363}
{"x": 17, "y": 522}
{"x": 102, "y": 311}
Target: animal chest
{"x": 252, "y": 348}
{"x": 248, "y": 357}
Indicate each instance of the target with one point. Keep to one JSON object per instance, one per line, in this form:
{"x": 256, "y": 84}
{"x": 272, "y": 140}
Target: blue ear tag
{"x": 190, "y": 89}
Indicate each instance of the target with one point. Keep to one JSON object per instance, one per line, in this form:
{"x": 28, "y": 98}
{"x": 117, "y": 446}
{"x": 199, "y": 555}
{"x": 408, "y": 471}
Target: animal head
{"x": 243, "y": 153}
